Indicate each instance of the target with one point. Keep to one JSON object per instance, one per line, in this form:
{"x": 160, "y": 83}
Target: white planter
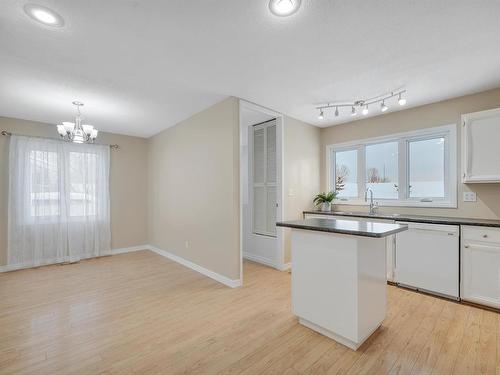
{"x": 325, "y": 207}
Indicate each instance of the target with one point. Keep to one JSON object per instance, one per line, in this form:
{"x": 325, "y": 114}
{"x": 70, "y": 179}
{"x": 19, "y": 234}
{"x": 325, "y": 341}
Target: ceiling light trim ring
{"x": 279, "y": 7}
{"x": 43, "y": 15}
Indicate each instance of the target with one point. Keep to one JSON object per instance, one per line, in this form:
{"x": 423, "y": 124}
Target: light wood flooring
{"x": 140, "y": 313}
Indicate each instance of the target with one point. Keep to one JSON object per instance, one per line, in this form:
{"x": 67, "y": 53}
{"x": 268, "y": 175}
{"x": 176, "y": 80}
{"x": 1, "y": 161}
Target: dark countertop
{"x": 414, "y": 218}
{"x": 349, "y": 226}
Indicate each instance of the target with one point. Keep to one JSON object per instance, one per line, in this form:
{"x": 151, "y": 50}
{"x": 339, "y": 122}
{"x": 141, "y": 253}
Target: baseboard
{"x": 15, "y": 267}
{"x": 286, "y": 266}
{"x": 260, "y": 259}
{"x": 131, "y": 249}
{"x": 195, "y": 267}
{"x": 266, "y": 262}
{"x": 22, "y": 266}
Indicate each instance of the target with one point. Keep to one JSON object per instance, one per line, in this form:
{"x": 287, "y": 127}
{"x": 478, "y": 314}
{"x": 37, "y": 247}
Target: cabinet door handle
{"x": 466, "y": 246}
{"x": 485, "y": 236}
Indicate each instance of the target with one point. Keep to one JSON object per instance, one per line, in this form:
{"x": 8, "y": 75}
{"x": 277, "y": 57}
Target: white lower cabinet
{"x": 427, "y": 258}
{"x": 481, "y": 265}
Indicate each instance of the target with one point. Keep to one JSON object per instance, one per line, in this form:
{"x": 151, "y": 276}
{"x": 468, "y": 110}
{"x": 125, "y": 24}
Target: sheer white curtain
{"x": 58, "y": 201}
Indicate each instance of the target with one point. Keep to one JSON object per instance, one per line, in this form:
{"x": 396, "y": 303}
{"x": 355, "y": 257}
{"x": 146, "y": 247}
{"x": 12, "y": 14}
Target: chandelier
{"x": 76, "y": 131}
{"x": 364, "y": 104}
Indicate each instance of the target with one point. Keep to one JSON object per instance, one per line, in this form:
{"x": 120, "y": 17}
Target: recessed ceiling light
{"x": 44, "y": 15}
{"x": 283, "y": 8}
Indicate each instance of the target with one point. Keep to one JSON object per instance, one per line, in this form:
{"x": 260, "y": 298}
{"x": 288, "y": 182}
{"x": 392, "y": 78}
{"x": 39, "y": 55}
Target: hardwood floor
{"x": 141, "y": 313}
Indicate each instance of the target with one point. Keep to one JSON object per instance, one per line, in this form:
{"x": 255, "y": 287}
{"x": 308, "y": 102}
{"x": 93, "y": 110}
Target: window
{"x": 426, "y": 172}
{"x": 58, "y": 201}
{"x": 346, "y": 172}
{"x": 381, "y": 169}
{"x": 44, "y": 181}
{"x": 409, "y": 169}
{"x": 47, "y": 190}
{"x": 82, "y": 179}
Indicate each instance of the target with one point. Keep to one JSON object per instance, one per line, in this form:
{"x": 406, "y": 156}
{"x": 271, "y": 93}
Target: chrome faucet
{"x": 373, "y": 205}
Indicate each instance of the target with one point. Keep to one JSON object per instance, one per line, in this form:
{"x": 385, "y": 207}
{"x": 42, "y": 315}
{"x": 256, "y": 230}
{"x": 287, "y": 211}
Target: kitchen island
{"x": 339, "y": 276}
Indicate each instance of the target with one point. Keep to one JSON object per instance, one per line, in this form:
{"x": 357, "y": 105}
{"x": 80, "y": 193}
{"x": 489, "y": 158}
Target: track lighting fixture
{"x": 363, "y": 104}
{"x": 383, "y": 107}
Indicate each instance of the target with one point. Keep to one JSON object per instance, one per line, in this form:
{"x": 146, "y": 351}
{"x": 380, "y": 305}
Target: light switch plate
{"x": 470, "y": 196}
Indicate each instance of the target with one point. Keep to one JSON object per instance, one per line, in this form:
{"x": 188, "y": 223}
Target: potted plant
{"x": 324, "y": 200}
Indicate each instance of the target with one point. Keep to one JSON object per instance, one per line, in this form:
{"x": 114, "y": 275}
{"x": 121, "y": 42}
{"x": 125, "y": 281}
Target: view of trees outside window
{"x": 346, "y": 173}
{"x": 426, "y": 168}
{"x": 382, "y": 169}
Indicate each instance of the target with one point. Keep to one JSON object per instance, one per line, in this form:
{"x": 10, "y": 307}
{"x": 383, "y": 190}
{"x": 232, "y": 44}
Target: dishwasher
{"x": 427, "y": 258}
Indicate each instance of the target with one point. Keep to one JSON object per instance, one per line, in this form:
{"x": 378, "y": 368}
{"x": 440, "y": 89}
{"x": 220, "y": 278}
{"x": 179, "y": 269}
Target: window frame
{"x": 448, "y": 132}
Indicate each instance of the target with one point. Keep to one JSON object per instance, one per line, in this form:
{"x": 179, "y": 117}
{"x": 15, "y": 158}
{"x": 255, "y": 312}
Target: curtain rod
{"x": 6, "y": 133}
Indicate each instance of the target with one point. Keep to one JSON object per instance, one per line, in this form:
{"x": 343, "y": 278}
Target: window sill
{"x": 385, "y": 203}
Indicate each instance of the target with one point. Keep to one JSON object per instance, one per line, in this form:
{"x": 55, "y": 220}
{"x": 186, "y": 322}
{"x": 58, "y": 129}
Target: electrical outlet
{"x": 291, "y": 192}
{"x": 186, "y": 244}
{"x": 470, "y": 196}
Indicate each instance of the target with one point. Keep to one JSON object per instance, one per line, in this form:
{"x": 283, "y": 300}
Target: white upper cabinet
{"x": 480, "y": 147}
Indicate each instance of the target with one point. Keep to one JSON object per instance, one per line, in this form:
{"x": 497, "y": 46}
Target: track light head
{"x": 383, "y": 107}
{"x": 401, "y": 100}
{"x": 365, "y": 110}
{"x": 353, "y": 111}
{"x": 336, "y": 111}
{"x": 321, "y": 116}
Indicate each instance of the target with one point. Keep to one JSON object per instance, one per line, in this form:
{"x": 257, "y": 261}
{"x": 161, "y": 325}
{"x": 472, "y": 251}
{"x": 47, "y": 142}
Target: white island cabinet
{"x": 339, "y": 276}
{"x": 390, "y": 241}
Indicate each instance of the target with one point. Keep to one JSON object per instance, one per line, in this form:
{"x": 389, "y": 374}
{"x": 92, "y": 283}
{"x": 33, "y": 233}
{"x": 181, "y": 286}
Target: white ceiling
{"x": 142, "y": 66}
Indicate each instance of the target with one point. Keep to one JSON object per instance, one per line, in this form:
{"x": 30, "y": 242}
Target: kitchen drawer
{"x": 481, "y": 234}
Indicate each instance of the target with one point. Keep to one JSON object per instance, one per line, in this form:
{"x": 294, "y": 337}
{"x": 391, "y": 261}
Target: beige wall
{"x": 302, "y": 152}
{"x": 128, "y": 176}
{"x": 194, "y": 189}
{"x": 442, "y": 113}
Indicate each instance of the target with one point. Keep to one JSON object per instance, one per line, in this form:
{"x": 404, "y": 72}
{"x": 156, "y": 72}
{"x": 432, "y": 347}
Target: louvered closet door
{"x": 264, "y": 179}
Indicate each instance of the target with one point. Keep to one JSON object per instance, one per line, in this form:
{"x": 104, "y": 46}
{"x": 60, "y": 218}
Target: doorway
{"x": 261, "y": 192}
